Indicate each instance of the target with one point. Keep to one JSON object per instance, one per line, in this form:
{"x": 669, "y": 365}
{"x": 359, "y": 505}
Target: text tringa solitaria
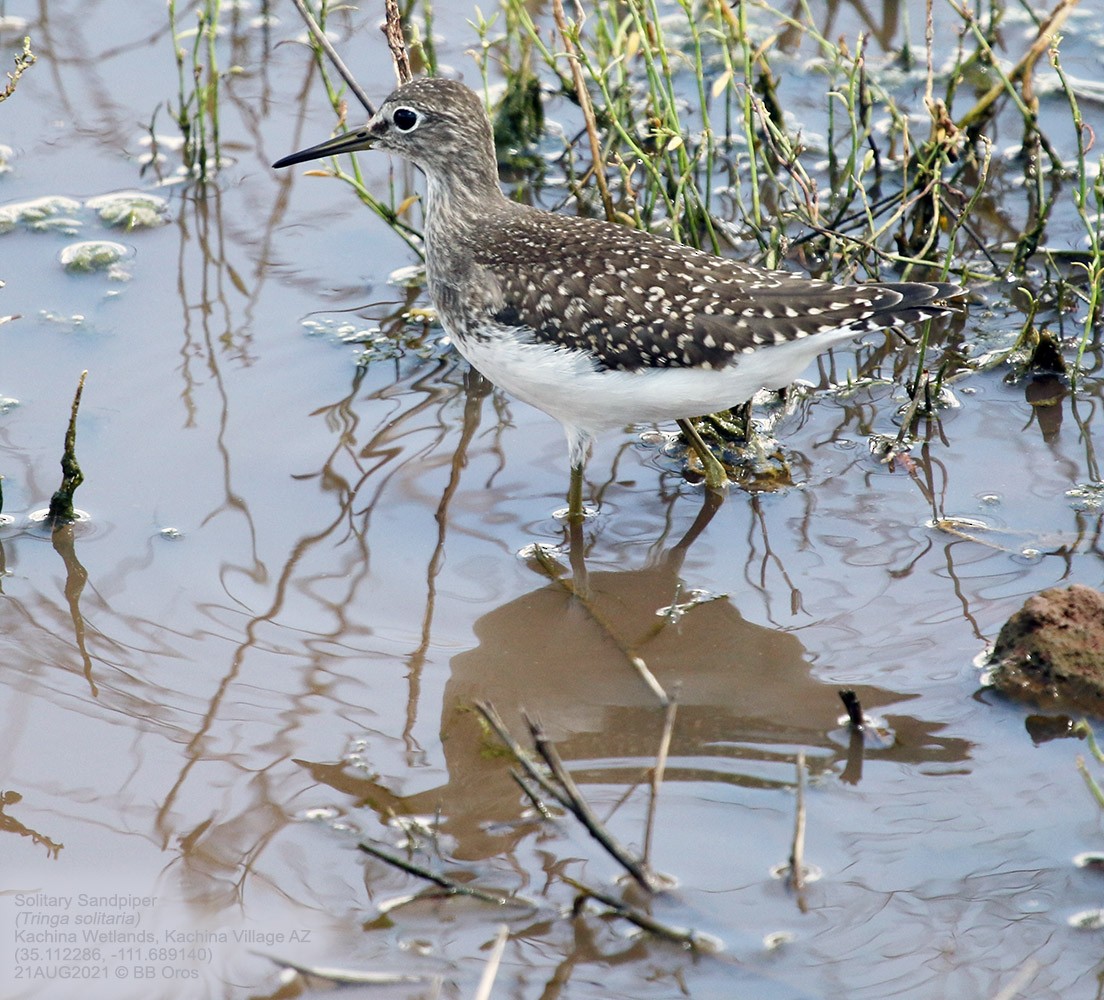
{"x": 600, "y": 325}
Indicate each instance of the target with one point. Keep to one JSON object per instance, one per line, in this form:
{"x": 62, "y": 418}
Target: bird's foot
{"x": 716, "y": 478}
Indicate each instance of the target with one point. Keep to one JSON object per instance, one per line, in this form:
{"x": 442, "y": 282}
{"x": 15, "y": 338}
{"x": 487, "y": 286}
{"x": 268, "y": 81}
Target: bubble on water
{"x": 320, "y": 814}
{"x": 778, "y": 939}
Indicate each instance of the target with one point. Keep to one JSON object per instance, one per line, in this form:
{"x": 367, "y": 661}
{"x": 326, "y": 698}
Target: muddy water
{"x": 298, "y": 574}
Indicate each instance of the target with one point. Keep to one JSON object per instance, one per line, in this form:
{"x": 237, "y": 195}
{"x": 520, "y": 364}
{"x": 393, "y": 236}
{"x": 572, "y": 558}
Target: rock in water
{"x": 1051, "y": 651}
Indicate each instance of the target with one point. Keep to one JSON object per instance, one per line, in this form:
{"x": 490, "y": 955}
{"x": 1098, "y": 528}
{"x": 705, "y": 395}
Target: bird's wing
{"x": 649, "y": 302}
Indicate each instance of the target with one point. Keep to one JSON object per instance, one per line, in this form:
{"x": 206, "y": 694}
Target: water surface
{"x": 298, "y": 574}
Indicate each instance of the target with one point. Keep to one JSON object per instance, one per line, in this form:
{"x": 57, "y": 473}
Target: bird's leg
{"x": 575, "y": 513}
{"x": 579, "y": 579}
{"x": 579, "y": 443}
{"x": 715, "y": 476}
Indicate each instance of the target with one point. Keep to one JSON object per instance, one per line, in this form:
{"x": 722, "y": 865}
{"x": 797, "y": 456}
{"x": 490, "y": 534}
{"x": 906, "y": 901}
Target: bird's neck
{"x": 461, "y": 184}
{"x": 459, "y": 198}
{"x": 461, "y": 204}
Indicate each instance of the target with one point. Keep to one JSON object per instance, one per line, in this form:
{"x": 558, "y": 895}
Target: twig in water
{"x": 347, "y": 977}
{"x": 638, "y": 664}
{"x": 561, "y": 788}
{"x": 531, "y": 794}
{"x": 797, "y": 851}
{"x": 454, "y": 888}
{"x": 657, "y": 775}
{"x": 572, "y": 799}
{"x": 494, "y": 720}
{"x": 490, "y": 970}
{"x": 554, "y": 572}
{"x": 642, "y": 920}
{"x": 1024, "y": 974}
{"x": 854, "y": 709}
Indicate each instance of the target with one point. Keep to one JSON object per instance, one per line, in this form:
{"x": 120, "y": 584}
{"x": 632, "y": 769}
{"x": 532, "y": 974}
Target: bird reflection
{"x": 564, "y": 652}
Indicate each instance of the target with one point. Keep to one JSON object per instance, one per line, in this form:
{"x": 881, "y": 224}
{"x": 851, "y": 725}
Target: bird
{"x": 599, "y": 324}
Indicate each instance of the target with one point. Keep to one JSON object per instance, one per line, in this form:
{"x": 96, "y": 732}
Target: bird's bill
{"x": 350, "y": 142}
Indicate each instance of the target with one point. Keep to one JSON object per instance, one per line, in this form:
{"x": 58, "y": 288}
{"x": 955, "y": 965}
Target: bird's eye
{"x": 405, "y": 119}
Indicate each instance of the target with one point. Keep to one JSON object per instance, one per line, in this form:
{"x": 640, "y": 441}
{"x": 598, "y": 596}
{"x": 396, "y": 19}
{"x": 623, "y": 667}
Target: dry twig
{"x": 657, "y": 775}
{"x": 572, "y": 799}
{"x": 331, "y": 53}
{"x": 585, "y": 105}
{"x": 452, "y": 887}
{"x": 797, "y": 851}
{"x": 562, "y": 789}
{"x": 642, "y": 920}
{"x": 396, "y": 42}
{"x": 490, "y": 970}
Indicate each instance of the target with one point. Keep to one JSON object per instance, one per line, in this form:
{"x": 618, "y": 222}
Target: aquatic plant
{"x": 24, "y": 60}
{"x": 196, "y": 112}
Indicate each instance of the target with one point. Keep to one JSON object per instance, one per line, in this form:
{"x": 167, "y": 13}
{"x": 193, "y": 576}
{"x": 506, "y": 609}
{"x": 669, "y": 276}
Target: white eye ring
{"x": 405, "y": 119}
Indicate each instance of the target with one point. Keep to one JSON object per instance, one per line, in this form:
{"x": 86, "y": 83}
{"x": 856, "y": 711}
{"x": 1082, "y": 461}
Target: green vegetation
{"x": 736, "y": 126}
{"x": 61, "y": 503}
{"x": 197, "y": 109}
{"x": 24, "y": 60}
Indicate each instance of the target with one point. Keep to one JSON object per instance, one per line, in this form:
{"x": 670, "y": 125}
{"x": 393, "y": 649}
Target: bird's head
{"x": 431, "y": 121}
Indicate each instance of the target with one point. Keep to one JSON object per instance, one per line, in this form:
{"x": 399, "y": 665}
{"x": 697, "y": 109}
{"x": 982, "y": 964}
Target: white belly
{"x": 566, "y": 385}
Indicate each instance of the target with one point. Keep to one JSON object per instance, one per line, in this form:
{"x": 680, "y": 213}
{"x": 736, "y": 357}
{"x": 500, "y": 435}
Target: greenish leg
{"x": 715, "y": 476}
{"x": 575, "y": 496}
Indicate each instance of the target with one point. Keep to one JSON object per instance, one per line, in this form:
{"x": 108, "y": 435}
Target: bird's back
{"x": 634, "y": 301}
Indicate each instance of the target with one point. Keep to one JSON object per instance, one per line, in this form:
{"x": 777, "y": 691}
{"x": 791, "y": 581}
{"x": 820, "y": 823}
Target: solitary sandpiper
{"x": 597, "y": 324}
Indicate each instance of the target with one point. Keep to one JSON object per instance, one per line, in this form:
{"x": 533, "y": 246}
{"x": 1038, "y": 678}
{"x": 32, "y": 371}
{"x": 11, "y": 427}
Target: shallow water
{"x": 297, "y": 576}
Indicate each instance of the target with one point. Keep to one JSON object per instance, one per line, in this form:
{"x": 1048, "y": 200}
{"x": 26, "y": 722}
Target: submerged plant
{"x": 61, "y": 509}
